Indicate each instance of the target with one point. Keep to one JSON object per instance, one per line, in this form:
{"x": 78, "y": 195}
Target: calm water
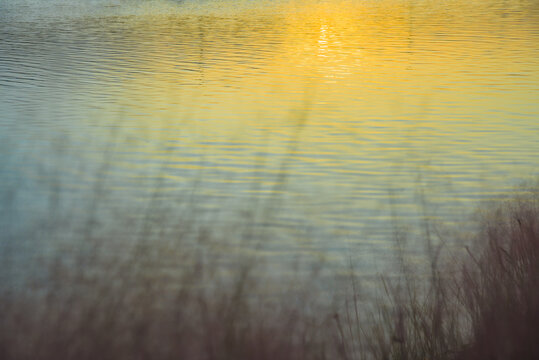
{"x": 307, "y": 125}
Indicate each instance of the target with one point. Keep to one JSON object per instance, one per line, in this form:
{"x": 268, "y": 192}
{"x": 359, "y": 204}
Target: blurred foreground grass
{"x": 172, "y": 302}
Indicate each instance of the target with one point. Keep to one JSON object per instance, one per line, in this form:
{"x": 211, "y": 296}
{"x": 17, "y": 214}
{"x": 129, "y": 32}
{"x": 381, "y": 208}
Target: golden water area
{"x": 312, "y": 126}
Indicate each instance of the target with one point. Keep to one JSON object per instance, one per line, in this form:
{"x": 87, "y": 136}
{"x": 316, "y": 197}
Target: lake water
{"x": 312, "y": 127}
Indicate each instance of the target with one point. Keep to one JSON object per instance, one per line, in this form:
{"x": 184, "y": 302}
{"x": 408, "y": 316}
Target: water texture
{"x": 316, "y": 123}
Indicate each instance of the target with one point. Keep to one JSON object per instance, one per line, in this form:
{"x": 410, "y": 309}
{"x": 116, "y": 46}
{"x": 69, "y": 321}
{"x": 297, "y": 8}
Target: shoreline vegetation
{"x": 483, "y": 303}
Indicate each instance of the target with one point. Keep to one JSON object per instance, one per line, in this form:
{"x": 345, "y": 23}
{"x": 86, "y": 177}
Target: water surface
{"x": 310, "y": 126}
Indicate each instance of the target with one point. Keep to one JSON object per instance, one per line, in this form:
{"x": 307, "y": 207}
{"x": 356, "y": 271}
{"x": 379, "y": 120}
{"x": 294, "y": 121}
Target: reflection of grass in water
{"x": 170, "y": 302}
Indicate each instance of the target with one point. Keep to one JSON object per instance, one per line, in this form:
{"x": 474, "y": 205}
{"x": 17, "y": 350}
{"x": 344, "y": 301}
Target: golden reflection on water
{"x": 361, "y": 68}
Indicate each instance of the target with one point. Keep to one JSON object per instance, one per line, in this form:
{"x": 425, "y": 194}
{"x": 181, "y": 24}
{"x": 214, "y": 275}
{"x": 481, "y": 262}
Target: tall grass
{"x": 499, "y": 285}
{"x": 484, "y": 305}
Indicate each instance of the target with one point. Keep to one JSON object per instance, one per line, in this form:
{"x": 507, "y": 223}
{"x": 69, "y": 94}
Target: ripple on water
{"x": 317, "y": 119}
